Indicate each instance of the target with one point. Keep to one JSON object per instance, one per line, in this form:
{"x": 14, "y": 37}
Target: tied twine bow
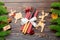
{"x": 25, "y": 20}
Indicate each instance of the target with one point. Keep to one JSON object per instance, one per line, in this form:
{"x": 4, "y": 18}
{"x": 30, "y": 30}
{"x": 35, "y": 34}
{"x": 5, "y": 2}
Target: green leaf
{"x": 57, "y": 34}
{"x": 1, "y": 3}
{"x": 58, "y": 20}
{"x": 55, "y": 11}
{"x": 3, "y": 10}
{"x": 52, "y": 27}
{"x": 4, "y": 33}
{"x": 2, "y": 25}
{"x": 2, "y": 38}
{"x": 55, "y": 4}
{"x": 53, "y": 20}
{"x": 55, "y": 27}
{"x": 3, "y": 18}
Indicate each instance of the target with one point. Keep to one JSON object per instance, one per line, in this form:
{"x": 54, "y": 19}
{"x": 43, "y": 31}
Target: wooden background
{"x": 20, "y": 4}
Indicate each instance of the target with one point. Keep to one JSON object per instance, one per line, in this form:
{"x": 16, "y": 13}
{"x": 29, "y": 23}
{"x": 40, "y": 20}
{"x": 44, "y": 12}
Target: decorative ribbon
{"x": 25, "y": 20}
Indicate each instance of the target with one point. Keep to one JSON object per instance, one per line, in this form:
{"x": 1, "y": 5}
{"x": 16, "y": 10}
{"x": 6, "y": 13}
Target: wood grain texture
{"x": 20, "y": 4}
{"x": 29, "y": 0}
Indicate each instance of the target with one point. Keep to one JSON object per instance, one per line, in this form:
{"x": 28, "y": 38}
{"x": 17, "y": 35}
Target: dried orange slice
{"x": 54, "y": 16}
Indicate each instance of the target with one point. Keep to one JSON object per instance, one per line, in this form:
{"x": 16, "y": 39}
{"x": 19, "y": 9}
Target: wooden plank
{"x": 21, "y": 9}
{"x": 27, "y": 4}
{"x": 22, "y": 5}
{"x": 29, "y": 0}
